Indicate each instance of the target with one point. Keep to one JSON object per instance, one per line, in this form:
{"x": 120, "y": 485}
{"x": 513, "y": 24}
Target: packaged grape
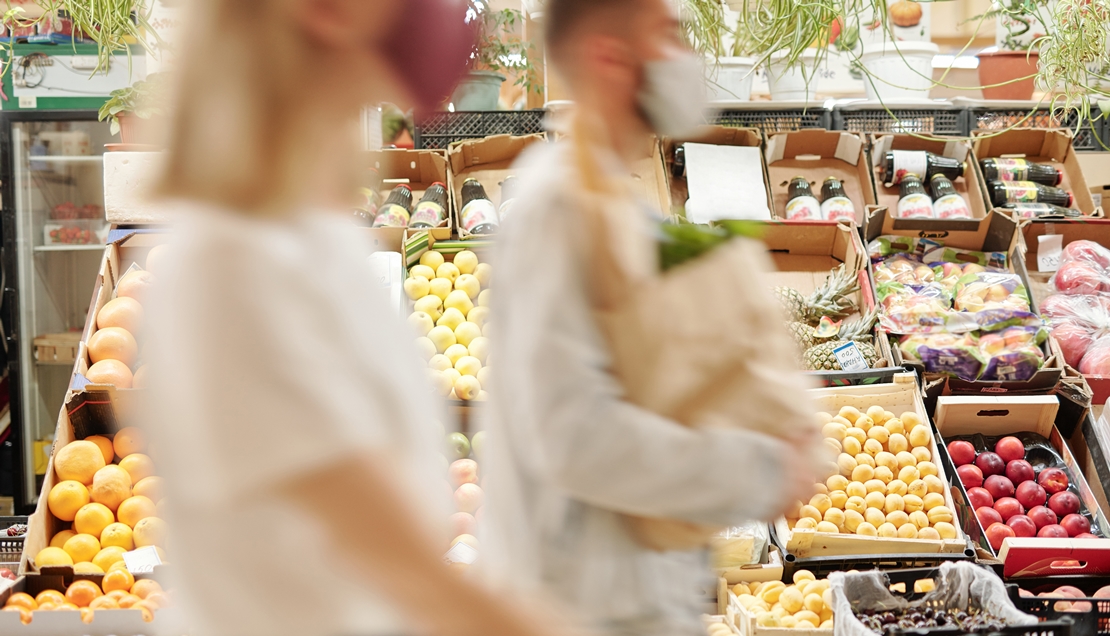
{"x": 991, "y": 290}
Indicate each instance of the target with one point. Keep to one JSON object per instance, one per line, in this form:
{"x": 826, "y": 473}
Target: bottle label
{"x": 952, "y": 206}
{"x": 1021, "y": 192}
{"x": 506, "y": 210}
{"x": 1033, "y": 210}
{"x": 915, "y": 206}
{"x": 838, "y": 208}
{"x": 428, "y": 214}
{"x": 478, "y": 212}
{"x": 392, "y": 215}
{"x": 803, "y": 209}
{"x": 1012, "y": 169}
{"x": 909, "y": 162}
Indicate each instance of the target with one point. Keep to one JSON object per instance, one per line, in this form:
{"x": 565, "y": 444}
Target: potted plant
{"x": 1009, "y": 72}
{"x": 726, "y": 51}
{"x": 126, "y": 107}
{"x": 500, "y": 51}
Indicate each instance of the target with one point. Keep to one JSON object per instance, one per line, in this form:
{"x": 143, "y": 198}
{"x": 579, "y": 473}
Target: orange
{"x": 150, "y": 531}
{"x": 50, "y": 605}
{"x": 157, "y": 258}
{"x": 118, "y": 580}
{"x": 113, "y": 343}
{"x": 118, "y": 565}
{"x": 104, "y": 602}
{"x": 109, "y": 556}
{"x": 159, "y": 600}
{"x": 66, "y": 498}
{"x": 78, "y": 461}
{"x": 87, "y": 568}
{"x": 61, "y": 537}
{"x": 86, "y": 615}
{"x": 128, "y": 600}
{"x": 129, "y": 440}
{"x": 118, "y": 534}
{"x": 116, "y": 595}
{"x": 69, "y": 607}
{"x": 22, "y": 600}
{"x": 149, "y": 487}
{"x": 82, "y": 548}
{"x": 125, "y": 313}
{"x": 137, "y": 465}
{"x": 92, "y": 519}
{"x": 145, "y": 587}
{"x": 148, "y": 610}
{"x": 81, "y": 593}
{"x": 53, "y": 556}
{"x": 105, "y": 445}
{"x": 111, "y": 485}
{"x": 111, "y": 372}
{"x": 24, "y": 613}
{"x": 135, "y": 285}
{"x": 50, "y": 596}
{"x": 142, "y": 377}
{"x": 135, "y": 510}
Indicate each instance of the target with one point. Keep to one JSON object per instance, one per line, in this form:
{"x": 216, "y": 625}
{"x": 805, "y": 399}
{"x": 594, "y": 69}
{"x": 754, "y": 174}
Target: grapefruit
{"x": 60, "y": 539}
{"x": 78, "y": 461}
{"x": 111, "y": 486}
{"x": 135, "y": 510}
{"x": 129, "y": 440}
{"x": 86, "y": 568}
{"x": 53, "y": 556}
{"x": 113, "y": 343}
{"x": 138, "y": 465}
{"x": 135, "y": 285}
{"x": 105, "y": 445}
{"x": 118, "y": 534}
{"x": 125, "y": 313}
{"x": 82, "y": 548}
{"x": 92, "y": 519}
{"x": 108, "y": 556}
{"x": 156, "y": 259}
{"x": 149, "y": 487}
{"x": 66, "y": 498}
{"x": 150, "y": 531}
{"x": 111, "y": 372}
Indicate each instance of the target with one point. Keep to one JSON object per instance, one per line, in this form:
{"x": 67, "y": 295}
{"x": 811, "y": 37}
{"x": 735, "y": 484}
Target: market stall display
{"x": 805, "y": 604}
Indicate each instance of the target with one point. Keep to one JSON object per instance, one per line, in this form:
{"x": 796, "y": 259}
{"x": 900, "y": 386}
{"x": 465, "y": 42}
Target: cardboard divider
{"x": 967, "y": 186}
{"x": 490, "y": 161}
{"x": 418, "y": 169}
{"x": 678, "y": 194}
{"x": 817, "y": 155}
{"x": 998, "y": 416}
{"x": 1053, "y": 147}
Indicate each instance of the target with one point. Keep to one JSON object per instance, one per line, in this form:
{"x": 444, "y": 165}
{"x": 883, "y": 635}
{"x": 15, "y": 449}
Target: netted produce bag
{"x": 960, "y": 586}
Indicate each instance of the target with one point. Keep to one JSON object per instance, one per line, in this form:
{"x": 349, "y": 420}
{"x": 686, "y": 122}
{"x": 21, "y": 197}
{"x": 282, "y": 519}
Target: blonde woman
{"x": 290, "y": 416}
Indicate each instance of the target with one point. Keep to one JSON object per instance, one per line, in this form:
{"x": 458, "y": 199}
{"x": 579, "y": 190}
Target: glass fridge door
{"x": 58, "y": 183}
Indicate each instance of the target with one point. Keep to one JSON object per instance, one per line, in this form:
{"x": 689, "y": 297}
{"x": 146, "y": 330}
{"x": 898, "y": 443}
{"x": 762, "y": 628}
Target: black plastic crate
{"x": 1092, "y": 621}
{"x": 11, "y": 548}
{"x": 877, "y": 120}
{"x": 775, "y": 120}
{"x": 1087, "y": 137}
{"x": 441, "y": 129}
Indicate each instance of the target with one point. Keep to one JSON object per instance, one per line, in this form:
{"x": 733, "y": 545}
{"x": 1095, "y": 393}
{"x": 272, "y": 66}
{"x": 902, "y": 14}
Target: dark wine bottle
{"x": 913, "y": 202}
{"x": 396, "y": 209}
{"x": 801, "y": 205}
{"x": 899, "y": 163}
{"x": 478, "y": 214}
{"x": 1041, "y": 210}
{"x": 1003, "y": 192}
{"x": 509, "y": 189}
{"x": 947, "y": 202}
{"x": 1006, "y": 169}
{"x": 678, "y": 168}
{"x": 431, "y": 211}
{"x": 835, "y": 204}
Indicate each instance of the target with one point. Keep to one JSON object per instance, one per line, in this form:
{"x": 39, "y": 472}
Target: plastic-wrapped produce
{"x": 1012, "y": 354}
{"x": 991, "y": 290}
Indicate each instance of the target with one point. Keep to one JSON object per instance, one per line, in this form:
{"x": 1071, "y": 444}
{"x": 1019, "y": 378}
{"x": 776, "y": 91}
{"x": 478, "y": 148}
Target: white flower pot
{"x": 791, "y": 83}
{"x": 898, "y": 70}
{"x": 730, "y": 79}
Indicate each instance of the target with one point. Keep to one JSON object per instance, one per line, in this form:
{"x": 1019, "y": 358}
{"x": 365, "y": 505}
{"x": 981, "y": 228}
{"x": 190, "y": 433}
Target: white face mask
{"x": 674, "y": 96}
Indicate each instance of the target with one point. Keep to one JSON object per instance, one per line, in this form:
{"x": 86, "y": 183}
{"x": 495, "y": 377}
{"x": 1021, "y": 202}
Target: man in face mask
{"x": 568, "y": 457}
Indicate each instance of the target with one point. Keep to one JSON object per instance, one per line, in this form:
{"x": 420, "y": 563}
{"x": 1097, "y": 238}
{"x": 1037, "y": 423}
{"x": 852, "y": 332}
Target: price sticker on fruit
{"x": 850, "y": 357}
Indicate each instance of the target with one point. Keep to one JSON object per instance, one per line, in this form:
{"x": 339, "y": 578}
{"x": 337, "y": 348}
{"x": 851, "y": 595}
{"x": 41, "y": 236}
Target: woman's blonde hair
{"x": 240, "y": 134}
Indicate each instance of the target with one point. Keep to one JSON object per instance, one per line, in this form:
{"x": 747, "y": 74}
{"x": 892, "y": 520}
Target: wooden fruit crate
{"x": 57, "y": 348}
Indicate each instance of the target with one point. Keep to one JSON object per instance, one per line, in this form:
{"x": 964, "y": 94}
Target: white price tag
{"x": 141, "y": 561}
{"x": 460, "y": 553}
{"x": 850, "y": 357}
{"x": 1049, "y": 248}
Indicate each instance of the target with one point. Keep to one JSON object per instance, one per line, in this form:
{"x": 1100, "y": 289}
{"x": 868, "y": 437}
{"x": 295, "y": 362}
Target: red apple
{"x": 1077, "y": 278}
{"x": 1020, "y": 470}
{"x": 990, "y": 463}
{"x": 1054, "y": 531}
{"x": 1010, "y": 449}
{"x": 1030, "y": 494}
{"x": 1086, "y": 535}
{"x": 970, "y": 475}
{"x": 961, "y": 452}
{"x": 997, "y": 532}
{"x": 1064, "y": 503}
{"x": 1023, "y": 526}
{"x": 1075, "y": 524}
{"x": 1008, "y": 507}
{"x": 1042, "y": 516}
{"x": 463, "y": 471}
{"x": 1086, "y": 251}
{"x": 987, "y": 516}
{"x": 999, "y": 487}
{"x": 979, "y": 497}
{"x": 1053, "y": 480}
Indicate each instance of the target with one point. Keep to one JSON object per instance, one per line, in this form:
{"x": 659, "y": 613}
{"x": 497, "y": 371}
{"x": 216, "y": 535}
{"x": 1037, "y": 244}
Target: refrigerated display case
{"x": 53, "y": 236}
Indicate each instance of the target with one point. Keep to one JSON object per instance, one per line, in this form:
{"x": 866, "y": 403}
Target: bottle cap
{"x": 1059, "y": 176}
{"x": 1071, "y": 200}
{"x": 440, "y": 184}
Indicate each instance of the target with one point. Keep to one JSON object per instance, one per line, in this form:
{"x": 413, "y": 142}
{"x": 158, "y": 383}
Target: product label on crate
{"x": 952, "y": 206}
{"x": 838, "y": 208}
{"x": 850, "y": 357}
{"x": 478, "y": 212}
{"x": 428, "y": 214}
{"x": 392, "y": 216}
{"x": 142, "y": 560}
{"x": 909, "y": 162}
{"x": 1049, "y": 249}
{"x": 1021, "y": 192}
{"x": 915, "y": 206}
{"x": 1012, "y": 169}
{"x": 461, "y": 553}
{"x": 803, "y": 209}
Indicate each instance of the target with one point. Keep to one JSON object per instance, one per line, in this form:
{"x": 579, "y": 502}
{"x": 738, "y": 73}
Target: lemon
{"x": 431, "y": 259}
{"x": 457, "y": 299}
{"x": 416, "y": 287}
{"x": 468, "y": 283}
{"x": 107, "y": 556}
{"x": 451, "y": 318}
{"x": 467, "y": 333}
{"x": 466, "y": 261}
{"x": 456, "y": 352}
{"x": 468, "y": 365}
{"x": 440, "y": 287}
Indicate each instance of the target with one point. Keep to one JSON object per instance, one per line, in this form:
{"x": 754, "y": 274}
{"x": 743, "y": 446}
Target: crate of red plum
{"x": 1023, "y": 498}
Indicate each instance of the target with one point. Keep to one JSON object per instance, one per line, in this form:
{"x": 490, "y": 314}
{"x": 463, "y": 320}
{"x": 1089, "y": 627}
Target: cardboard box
{"x": 418, "y": 169}
{"x": 900, "y": 396}
{"x": 804, "y": 252}
{"x": 488, "y": 160}
{"x": 968, "y": 186}
{"x": 713, "y": 135}
{"x": 770, "y": 570}
{"x": 1053, "y": 147}
{"x": 998, "y": 416}
{"x": 817, "y": 155}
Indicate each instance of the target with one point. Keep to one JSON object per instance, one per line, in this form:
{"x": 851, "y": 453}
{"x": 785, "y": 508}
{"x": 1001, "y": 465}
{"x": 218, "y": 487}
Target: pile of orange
{"x": 118, "y": 590}
{"x": 112, "y": 507}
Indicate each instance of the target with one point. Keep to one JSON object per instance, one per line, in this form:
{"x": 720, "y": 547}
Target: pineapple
{"x": 831, "y": 299}
{"x": 821, "y": 358}
{"x": 808, "y": 335}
